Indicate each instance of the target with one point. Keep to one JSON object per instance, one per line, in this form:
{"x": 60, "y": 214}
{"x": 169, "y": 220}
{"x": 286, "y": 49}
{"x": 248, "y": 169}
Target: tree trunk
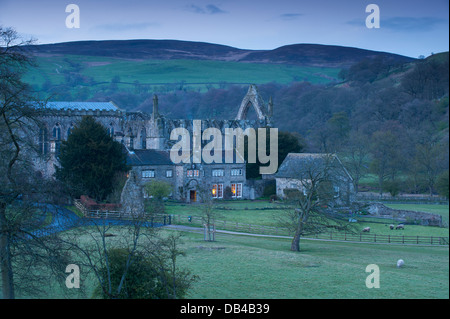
{"x": 295, "y": 245}
{"x": 5, "y": 256}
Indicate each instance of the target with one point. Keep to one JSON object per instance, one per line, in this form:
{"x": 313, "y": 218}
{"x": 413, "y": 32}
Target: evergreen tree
{"x": 89, "y": 160}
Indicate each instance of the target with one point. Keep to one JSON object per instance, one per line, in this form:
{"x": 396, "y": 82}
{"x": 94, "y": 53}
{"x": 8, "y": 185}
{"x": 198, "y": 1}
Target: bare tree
{"x": 315, "y": 204}
{"x": 209, "y": 213}
{"x": 22, "y": 252}
{"x": 129, "y": 261}
{"x": 357, "y": 156}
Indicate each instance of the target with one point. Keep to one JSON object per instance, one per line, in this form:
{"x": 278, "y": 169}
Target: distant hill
{"x": 296, "y": 54}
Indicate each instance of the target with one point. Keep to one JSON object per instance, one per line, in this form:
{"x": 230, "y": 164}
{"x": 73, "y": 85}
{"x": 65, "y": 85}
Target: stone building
{"x": 188, "y": 180}
{"x": 298, "y": 169}
{"x": 146, "y": 137}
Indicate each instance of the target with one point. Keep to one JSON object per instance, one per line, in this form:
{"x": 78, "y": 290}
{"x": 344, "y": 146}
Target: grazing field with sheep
{"x": 257, "y": 267}
{"x": 247, "y": 267}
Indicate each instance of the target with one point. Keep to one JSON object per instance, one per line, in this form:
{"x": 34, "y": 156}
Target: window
{"x": 220, "y": 190}
{"x": 149, "y": 173}
{"x": 143, "y": 139}
{"x": 57, "y": 132}
{"x": 111, "y": 130}
{"x": 217, "y": 172}
{"x": 236, "y": 172}
{"x": 169, "y": 173}
{"x": 236, "y": 190}
{"x": 217, "y": 191}
{"x": 52, "y": 147}
{"x": 336, "y": 191}
{"x": 193, "y": 173}
{"x": 43, "y": 141}
{"x": 131, "y": 143}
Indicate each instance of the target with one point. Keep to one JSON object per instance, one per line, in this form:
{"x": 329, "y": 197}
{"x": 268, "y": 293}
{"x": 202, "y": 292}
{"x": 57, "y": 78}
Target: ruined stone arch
{"x": 252, "y": 98}
{"x": 143, "y": 138}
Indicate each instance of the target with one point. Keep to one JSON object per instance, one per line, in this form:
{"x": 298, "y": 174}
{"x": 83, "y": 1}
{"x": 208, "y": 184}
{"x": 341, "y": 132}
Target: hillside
{"x": 296, "y": 54}
{"x": 79, "y": 70}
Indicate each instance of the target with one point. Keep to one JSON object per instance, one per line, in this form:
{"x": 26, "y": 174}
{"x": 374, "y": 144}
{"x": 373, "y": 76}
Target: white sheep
{"x": 400, "y": 263}
{"x": 366, "y": 230}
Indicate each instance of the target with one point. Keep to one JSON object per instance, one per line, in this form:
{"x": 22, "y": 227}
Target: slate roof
{"x": 297, "y": 162}
{"x": 82, "y": 106}
{"x": 148, "y": 157}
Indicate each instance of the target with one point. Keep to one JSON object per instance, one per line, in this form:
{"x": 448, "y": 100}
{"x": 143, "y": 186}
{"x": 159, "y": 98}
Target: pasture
{"x": 196, "y": 74}
{"x": 247, "y": 267}
{"x": 244, "y": 267}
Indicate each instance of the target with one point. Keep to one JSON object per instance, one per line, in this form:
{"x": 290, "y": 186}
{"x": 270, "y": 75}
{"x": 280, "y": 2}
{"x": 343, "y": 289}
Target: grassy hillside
{"x": 94, "y": 71}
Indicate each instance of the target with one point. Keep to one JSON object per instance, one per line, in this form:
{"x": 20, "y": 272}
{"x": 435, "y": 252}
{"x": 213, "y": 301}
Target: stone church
{"x": 146, "y": 137}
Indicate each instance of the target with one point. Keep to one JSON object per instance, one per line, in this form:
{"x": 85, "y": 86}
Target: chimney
{"x": 155, "y": 106}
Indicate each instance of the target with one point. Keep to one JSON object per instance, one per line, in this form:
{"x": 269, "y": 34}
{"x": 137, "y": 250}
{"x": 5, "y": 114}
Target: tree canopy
{"x": 90, "y": 159}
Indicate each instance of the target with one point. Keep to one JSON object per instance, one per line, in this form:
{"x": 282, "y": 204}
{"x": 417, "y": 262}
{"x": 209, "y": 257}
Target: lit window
{"x": 220, "y": 190}
{"x": 236, "y": 190}
{"x": 193, "y": 173}
{"x": 148, "y": 173}
{"x": 217, "y": 191}
{"x": 169, "y": 173}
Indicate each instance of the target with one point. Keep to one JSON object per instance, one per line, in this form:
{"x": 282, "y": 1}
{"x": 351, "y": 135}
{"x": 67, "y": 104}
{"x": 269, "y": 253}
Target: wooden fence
{"x": 334, "y": 236}
{"x": 119, "y": 215}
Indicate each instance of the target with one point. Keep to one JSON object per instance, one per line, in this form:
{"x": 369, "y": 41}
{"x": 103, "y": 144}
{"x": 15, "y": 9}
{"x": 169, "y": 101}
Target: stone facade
{"x": 132, "y": 199}
{"x": 296, "y": 168}
{"x": 139, "y": 131}
{"x": 188, "y": 180}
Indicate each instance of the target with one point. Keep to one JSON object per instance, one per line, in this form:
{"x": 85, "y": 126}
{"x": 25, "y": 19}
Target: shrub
{"x": 269, "y": 190}
{"x": 227, "y": 194}
{"x": 442, "y": 184}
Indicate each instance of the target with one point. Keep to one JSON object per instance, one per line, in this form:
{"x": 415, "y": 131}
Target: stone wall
{"x": 132, "y": 197}
{"x": 412, "y": 217}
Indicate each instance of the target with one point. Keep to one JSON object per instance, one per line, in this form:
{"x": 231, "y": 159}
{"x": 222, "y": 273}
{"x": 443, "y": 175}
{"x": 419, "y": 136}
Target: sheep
{"x": 400, "y": 263}
{"x": 400, "y": 226}
{"x": 391, "y": 226}
{"x": 366, "y": 230}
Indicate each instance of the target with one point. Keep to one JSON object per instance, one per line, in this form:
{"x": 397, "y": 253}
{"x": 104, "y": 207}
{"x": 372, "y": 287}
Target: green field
{"x": 247, "y": 267}
{"x": 194, "y": 73}
{"x": 264, "y": 213}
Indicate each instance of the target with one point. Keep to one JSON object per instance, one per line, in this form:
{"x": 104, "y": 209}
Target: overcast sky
{"x": 407, "y": 27}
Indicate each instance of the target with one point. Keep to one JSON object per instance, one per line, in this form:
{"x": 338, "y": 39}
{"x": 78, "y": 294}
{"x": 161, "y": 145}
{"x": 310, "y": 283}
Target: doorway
{"x": 193, "y": 196}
